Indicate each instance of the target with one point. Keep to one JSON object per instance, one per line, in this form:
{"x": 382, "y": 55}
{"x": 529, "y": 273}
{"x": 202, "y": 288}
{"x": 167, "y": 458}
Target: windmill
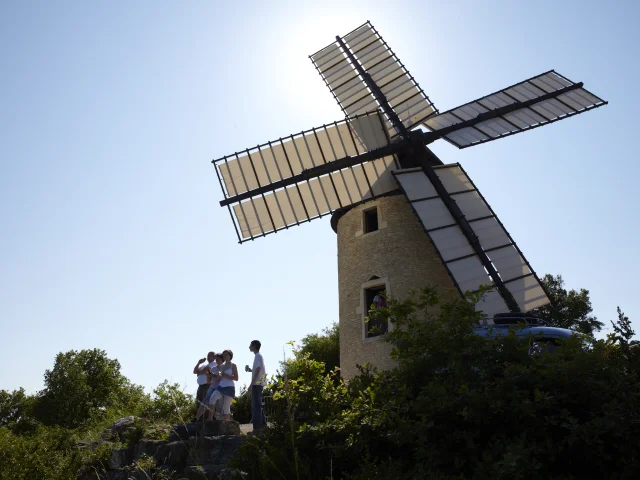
{"x": 379, "y": 155}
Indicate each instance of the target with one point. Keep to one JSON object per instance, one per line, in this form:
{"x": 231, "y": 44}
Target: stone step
{"x": 209, "y": 428}
{"x": 199, "y": 451}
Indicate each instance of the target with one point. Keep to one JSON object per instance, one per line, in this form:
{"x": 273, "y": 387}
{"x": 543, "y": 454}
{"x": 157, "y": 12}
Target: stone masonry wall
{"x": 400, "y": 254}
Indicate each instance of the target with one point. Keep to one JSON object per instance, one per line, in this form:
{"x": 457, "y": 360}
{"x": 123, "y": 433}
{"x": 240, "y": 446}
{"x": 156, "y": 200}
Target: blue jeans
{"x": 257, "y": 416}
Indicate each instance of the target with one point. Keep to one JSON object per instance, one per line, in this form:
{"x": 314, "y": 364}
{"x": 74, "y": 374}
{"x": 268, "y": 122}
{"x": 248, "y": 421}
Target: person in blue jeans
{"x": 258, "y": 382}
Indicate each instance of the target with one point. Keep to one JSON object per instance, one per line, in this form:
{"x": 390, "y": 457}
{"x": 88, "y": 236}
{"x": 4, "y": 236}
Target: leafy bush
{"x": 169, "y": 403}
{"x": 241, "y": 406}
{"x": 458, "y": 406}
{"x": 16, "y": 411}
{"x": 45, "y": 453}
{"x": 324, "y": 347}
{"x": 84, "y": 394}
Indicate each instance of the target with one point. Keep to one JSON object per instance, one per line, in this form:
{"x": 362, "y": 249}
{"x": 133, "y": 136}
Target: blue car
{"x": 543, "y": 338}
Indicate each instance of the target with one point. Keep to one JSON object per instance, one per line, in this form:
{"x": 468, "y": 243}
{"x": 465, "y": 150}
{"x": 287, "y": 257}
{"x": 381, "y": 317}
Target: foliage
{"x": 145, "y": 467}
{"x": 324, "y": 347}
{"x": 241, "y": 406}
{"x": 169, "y": 403}
{"x": 45, "y": 453}
{"x": 622, "y": 330}
{"x": 83, "y": 386}
{"x": 568, "y": 309}
{"x": 84, "y": 393}
{"x": 16, "y": 411}
{"x": 457, "y": 406}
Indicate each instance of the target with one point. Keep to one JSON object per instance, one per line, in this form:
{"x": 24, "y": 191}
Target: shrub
{"x": 169, "y": 403}
{"x": 241, "y": 406}
{"x": 458, "y": 406}
{"x": 46, "y": 453}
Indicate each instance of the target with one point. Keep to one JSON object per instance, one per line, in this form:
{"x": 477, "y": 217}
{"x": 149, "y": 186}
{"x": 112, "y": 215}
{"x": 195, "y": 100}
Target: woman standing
{"x": 227, "y": 387}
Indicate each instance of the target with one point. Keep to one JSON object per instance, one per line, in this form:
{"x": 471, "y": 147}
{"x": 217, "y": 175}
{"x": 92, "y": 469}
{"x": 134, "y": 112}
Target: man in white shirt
{"x": 258, "y": 382}
{"x": 204, "y": 378}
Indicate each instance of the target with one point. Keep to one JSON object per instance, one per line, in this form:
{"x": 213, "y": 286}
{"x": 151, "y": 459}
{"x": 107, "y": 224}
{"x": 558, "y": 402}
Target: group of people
{"x": 217, "y": 375}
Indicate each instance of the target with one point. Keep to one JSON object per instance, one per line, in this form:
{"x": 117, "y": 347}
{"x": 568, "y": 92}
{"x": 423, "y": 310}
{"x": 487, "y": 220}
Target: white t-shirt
{"x": 258, "y": 361}
{"x": 202, "y": 378}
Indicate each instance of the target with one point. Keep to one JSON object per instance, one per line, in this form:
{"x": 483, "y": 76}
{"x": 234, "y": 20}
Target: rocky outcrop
{"x": 192, "y": 451}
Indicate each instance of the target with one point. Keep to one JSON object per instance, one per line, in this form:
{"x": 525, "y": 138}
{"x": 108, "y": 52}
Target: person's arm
{"x": 196, "y": 369}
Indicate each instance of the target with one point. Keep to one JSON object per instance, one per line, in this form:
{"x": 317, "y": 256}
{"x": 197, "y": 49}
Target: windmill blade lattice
{"x": 457, "y": 254}
{"x": 403, "y": 94}
{"x": 535, "y": 102}
{"x": 264, "y": 188}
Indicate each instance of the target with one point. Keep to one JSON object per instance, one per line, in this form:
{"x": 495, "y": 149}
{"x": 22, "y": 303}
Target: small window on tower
{"x": 371, "y": 220}
{"x": 374, "y": 298}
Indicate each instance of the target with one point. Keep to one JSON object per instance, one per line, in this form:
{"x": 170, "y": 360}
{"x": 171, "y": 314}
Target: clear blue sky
{"x": 110, "y": 112}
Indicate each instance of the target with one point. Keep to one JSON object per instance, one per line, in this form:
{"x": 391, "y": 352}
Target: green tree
{"x": 84, "y": 386}
{"x": 568, "y": 309}
{"x": 622, "y": 330}
{"x": 16, "y": 410}
{"x": 169, "y": 403}
{"x": 323, "y": 347}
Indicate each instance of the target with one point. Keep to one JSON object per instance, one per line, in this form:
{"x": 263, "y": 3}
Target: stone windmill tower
{"x": 403, "y": 218}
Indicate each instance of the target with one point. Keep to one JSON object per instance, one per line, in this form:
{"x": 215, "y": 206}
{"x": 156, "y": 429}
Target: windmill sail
{"x": 315, "y": 198}
{"x": 260, "y": 206}
{"x": 456, "y": 252}
{"x": 402, "y": 92}
{"x": 286, "y": 157}
{"x": 540, "y": 100}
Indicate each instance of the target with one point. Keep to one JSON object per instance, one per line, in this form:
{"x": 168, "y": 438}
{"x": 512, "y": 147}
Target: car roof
{"x": 524, "y": 331}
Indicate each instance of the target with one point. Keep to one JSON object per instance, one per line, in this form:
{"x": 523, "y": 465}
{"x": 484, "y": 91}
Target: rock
{"x": 205, "y": 451}
{"x": 203, "y": 472}
{"x": 209, "y": 428}
{"x": 88, "y": 444}
{"x": 158, "y": 432}
{"x": 212, "y": 428}
{"x": 199, "y": 451}
{"x": 213, "y": 472}
{"x": 213, "y": 450}
{"x": 182, "y": 431}
{"x": 116, "y": 475}
{"x": 147, "y": 447}
{"x": 120, "y": 457}
{"x": 120, "y": 428}
{"x": 173, "y": 454}
{"x": 230, "y": 446}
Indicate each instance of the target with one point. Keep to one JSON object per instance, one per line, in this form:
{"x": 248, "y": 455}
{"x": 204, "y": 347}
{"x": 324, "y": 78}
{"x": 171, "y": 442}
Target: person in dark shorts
{"x": 203, "y": 370}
